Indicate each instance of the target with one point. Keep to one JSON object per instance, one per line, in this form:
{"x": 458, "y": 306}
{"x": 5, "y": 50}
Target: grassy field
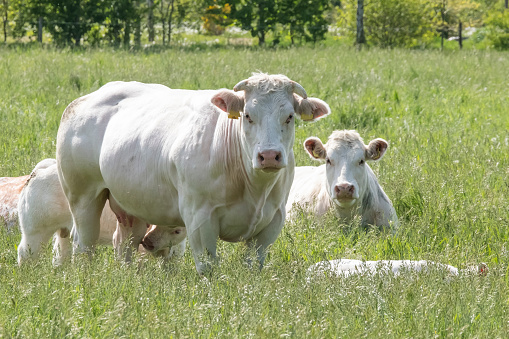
{"x": 446, "y": 117}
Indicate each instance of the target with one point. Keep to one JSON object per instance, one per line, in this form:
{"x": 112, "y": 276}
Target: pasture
{"x": 446, "y": 117}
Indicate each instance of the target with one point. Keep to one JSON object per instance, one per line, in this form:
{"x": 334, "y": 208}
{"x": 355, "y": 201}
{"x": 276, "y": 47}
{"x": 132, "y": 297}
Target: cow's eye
{"x": 361, "y": 162}
{"x": 328, "y": 161}
{"x": 248, "y": 118}
{"x": 289, "y": 118}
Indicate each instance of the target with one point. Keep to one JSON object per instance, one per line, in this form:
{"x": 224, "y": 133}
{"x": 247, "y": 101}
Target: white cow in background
{"x": 10, "y": 189}
{"x": 345, "y": 183}
{"x": 182, "y": 158}
{"x": 44, "y": 211}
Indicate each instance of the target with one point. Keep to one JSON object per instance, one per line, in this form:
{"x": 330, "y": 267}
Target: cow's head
{"x": 346, "y": 155}
{"x": 267, "y": 106}
{"x": 159, "y": 237}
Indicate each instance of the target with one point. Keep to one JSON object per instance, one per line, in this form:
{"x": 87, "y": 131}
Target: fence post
{"x": 39, "y": 32}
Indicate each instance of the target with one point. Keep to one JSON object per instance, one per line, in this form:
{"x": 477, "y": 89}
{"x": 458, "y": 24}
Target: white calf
{"x": 347, "y": 267}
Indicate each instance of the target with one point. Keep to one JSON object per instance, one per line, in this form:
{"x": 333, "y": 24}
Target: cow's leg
{"x": 128, "y": 236}
{"x": 203, "y": 243}
{"x": 86, "y": 214}
{"x": 267, "y": 237}
{"x": 202, "y": 234}
{"x": 31, "y": 242}
{"x": 62, "y": 247}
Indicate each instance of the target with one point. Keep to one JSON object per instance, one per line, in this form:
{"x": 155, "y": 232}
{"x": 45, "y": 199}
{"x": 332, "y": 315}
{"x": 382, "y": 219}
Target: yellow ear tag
{"x": 316, "y": 155}
{"x": 233, "y": 115}
{"x": 306, "y": 117}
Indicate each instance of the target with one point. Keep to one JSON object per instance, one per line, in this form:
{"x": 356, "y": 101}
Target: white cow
{"x": 345, "y": 183}
{"x": 175, "y": 158}
{"x": 347, "y": 267}
{"x": 44, "y": 211}
{"x": 10, "y": 188}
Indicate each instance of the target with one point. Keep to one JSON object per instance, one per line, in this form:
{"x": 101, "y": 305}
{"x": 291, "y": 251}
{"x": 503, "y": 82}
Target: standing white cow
{"x": 175, "y": 158}
{"x": 44, "y": 211}
{"x": 345, "y": 183}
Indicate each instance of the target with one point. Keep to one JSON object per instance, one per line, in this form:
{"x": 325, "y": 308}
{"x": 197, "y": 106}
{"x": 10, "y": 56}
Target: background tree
{"x": 68, "y": 20}
{"x": 216, "y": 18}
{"x": 150, "y": 20}
{"x": 5, "y": 9}
{"x": 304, "y": 18}
{"x": 120, "y": 16}
{"x": 497, "y": 27}
{"x": 258, "y": 17}
{"x": 390, "y": 23}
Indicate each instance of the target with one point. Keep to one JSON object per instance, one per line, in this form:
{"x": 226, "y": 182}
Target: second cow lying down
{"x": 345, "y": 183}
{"x": 43, "y": 211}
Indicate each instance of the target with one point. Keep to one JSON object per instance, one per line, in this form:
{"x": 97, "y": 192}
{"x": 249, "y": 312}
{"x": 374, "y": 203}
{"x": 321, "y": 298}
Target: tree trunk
{"x": 127, "y": 33}
{"x": 137, "y": 33}
{"x": 39, "y": 30}
{"x": 506, "y": 3}
{"x": 442, "y": 12}
{"x": 261, "y": 38}
{"x": 360, "y": 38}
{"x": 150, "y": 20}
{"x": 169, "y": 20}
{"x": 460, "y": 38}
{"x": 261, "y": 23}
{"x": 6, "y": 18}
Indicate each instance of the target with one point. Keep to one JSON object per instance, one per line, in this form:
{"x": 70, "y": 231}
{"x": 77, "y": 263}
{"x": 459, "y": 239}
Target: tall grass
{"x": 446, "y": 118}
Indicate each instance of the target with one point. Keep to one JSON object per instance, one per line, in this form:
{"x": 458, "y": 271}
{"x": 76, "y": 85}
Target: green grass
{"x": 446, "y": 117}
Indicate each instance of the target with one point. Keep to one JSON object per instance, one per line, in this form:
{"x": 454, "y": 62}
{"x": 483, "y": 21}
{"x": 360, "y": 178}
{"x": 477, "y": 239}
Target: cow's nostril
{"x": 147, "y": 244}
{"x": 277, "y": 157}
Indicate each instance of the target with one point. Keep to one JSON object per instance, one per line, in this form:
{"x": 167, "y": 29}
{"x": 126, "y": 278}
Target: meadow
{"x": 446, "y": 117}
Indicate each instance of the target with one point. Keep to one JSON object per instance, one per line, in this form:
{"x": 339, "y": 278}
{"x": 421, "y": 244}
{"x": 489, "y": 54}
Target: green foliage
{"x": 445, "y": 117}
{"x": 304, "y": 18}
{"x": 257, "y": 16}
{"x": 390, "y": 23}
{"x": 68, "y": 21}
{"x": 217, "y": 18}
{"x": 497, "y": 26}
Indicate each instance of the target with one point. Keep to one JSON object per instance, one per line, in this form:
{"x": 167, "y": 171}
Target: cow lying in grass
{"x": 347, "y": 267}
{"x": 345, "y": 183}
{"x": 44, "y": 211}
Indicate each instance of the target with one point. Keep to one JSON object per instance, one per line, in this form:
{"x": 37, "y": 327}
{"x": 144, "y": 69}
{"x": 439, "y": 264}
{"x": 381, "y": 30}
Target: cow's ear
{"x": 230, "y": 102}
{"x": 311, "y": 109}
{"x": 315, "y": 148}
{"x": 376, "y": 149}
